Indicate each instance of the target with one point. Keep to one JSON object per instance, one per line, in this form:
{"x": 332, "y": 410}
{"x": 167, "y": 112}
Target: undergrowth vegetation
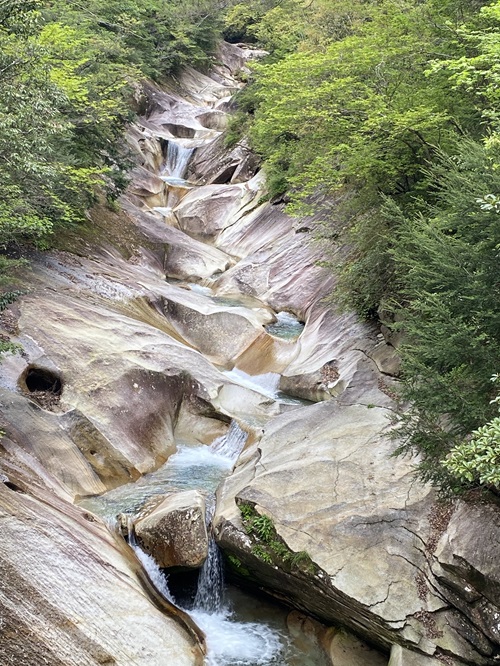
{"x": 268, "y": 546}
{"x": 68, "y": 71}
{"x": 391, "y": 109}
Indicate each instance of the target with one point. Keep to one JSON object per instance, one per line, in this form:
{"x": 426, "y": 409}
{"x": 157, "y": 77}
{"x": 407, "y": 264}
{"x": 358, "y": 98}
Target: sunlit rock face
{"x": 156, "y": 324}
{"x": 325, "y": 477}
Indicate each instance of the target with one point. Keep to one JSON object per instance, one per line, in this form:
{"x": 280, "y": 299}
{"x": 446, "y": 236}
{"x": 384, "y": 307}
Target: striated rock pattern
{"x": 120, "y": 364}
{"x": 69, "y": 595}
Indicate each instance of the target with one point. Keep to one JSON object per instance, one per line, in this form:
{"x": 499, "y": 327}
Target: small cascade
{"x": 200, "y": 289}
{"x": 266, "y": 384}
{"x": 231, "y": 444}
{"x": 209, "y": 594}
{"x": 151, "y": 568}
{"x": 229, "y": 643}
{"x": 210, "y": 590}
{"x": 178, "y": 157}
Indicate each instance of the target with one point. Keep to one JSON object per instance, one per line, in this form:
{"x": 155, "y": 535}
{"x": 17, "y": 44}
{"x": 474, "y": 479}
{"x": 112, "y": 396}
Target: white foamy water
{"x": 230, "y": 445}
{"x": 166, "y": 211}
{"x": 175, "y": 182}
{"x": 229, "y": 642}
{"x": 191, "y": 467}
{"x": 232, "y": 643}
{"x": 266, "y": 384}
{"x": 178, "y": 157}
{"x": 200, "y": 289}
{"x": 152, "y": 569}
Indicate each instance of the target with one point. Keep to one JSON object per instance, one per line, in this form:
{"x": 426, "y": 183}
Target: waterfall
{"x": 211, "y": 579}
{"x": 151, "y": 568}
{"x": 178, "y": 157}
{"x": 210, "y": 582}
{"x": 266, "y": 384}
{"x": 231, "y": 444}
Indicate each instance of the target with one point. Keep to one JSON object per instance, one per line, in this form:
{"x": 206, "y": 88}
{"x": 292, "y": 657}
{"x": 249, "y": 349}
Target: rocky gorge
{"x": 155, "y": 329}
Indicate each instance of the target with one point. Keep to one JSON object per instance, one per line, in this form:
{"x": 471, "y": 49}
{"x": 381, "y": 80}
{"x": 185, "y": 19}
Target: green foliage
{"x": 477, "y": 459}
{"x": 268, "y": 546}
{"x": 8, "y": 297}
{"x": 446, "y": 301}
{"x": 6, "y": 347}
{"x": 263, "y": 527}
{"x": 237, "y": 564}
{"x": 390, "y": 109}
{"x": 155, "y": 36}
{"x": 67, "y": 71}
{"x": 262, "y": 554}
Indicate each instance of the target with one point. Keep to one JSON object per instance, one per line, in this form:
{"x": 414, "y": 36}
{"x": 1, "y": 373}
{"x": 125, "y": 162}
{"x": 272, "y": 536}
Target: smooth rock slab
{"x": 174, "y": 531}
{"x": 341, "y": 648}
{"x": 326, "y": 478}
{"x": 402, "y": 657}
{"x": 69, "y": 596}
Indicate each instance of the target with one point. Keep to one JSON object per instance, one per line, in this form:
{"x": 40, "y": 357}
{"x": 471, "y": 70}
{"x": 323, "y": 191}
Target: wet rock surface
{"x": 144, "y": 363}
{"x": 69, "y": 594}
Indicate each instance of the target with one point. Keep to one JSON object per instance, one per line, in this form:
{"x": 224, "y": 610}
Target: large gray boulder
{"x": 360, "y": 532}
{"x": 173, "y": 530}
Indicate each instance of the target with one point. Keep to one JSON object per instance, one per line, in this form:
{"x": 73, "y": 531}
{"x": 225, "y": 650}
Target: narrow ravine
{"x": 184, "y": 324}
{"x": 218, "y": 610}
{"x": 224, "y": 614}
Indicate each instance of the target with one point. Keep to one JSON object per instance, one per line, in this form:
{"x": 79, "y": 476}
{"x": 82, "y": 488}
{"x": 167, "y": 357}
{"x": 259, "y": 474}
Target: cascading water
{"x": 231, "y": 444}
{"x": 267, "y": 383}
{"x": 178, "y": 156}
{"x": 211, "y": 579}
{"x": 151, "y": 568}
{"x": 229, "y": 643}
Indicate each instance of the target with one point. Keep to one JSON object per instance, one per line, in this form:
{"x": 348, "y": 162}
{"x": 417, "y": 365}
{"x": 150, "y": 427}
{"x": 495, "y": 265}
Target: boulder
{"x": 173, "y": 530}
{"x": 359, "y": 529}
{"x": 69, "y": 594}
{"x": 386, "y": 359}
{"x": 219, "y": 333}
{"x": 402, "y": 657}
{"x": 214, "y": 164}
{"x": 207, "y": 210}
{"x": 183, "y": 257}
{"x": 469, "y": 575}
{"x": 148, "y": 187}
{"x": 309, "y": 386}
{"x": 342, "y": 648}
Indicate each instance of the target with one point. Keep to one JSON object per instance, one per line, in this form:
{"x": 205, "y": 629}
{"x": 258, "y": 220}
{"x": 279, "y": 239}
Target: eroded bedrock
{"x": 363, "y": 536}
{"x": 68, "y": 592}
{"x": 146, "y": 332}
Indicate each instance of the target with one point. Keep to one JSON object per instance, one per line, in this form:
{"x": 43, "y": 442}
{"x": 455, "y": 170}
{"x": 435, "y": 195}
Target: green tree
{"x": 447, "y": 294}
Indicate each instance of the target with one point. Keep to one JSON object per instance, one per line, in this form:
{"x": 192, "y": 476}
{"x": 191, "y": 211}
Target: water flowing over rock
{"x": 145, "y": 367}
{"x": 69, "y": 594}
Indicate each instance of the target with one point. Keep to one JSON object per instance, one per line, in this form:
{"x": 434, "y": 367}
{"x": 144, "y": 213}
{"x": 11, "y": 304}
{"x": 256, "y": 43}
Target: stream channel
{"x": 241, "y": 629}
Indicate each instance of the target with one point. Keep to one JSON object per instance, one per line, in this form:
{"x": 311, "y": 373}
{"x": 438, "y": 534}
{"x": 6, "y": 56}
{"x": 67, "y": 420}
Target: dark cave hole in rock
{"x": 12, "y": 486}
{"x": 38, "y": 379}
{"x": 183, "y": 584}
